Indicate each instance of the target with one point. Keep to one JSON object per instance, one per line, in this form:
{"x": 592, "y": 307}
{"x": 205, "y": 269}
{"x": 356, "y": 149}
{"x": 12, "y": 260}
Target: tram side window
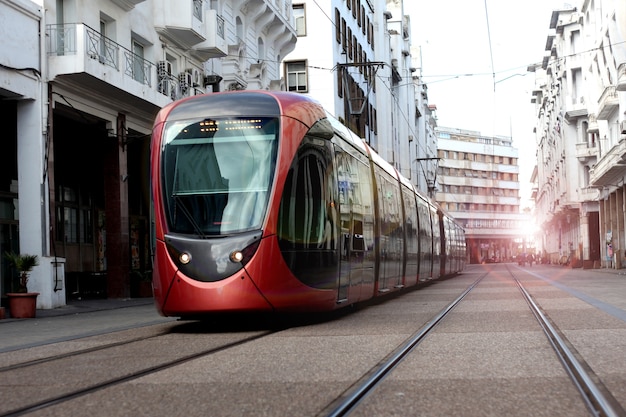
{"x": 308, "y": 200}
{"x": 425, "y": 232}
{"x": 411, "y": 230}
{"x": 356, "y": 203}
{"x": 436, "y": 234}
{"x": 390, "y": 216}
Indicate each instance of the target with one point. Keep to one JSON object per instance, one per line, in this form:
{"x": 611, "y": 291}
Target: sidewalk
{"x": 78, "y": 319}
{"x": 85, "y": 306}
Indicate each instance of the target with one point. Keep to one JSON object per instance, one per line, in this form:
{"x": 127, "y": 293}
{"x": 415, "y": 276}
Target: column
{"x": 116, "y": 211}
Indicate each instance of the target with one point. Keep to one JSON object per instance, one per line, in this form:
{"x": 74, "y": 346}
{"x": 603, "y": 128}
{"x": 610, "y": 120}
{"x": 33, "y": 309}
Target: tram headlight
{"x": 184, "y": 258}
{"x": 236, "y": 256}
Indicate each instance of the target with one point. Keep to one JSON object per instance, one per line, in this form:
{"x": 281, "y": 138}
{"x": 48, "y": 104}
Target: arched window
{"x": 261, "y": 49}
{"x": 239, "y": 29}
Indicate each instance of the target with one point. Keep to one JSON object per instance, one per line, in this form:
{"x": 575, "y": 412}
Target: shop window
{"x": 74, "y": 216}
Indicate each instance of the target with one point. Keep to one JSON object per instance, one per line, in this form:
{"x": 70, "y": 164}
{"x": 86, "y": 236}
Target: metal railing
{"x": 197, "y": 9}
{"x": 62, "y": 40}
{"x": 220, "y": 27}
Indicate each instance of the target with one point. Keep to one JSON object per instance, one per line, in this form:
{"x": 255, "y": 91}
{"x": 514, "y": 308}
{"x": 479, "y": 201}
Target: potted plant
{"x": 22, "y": 304}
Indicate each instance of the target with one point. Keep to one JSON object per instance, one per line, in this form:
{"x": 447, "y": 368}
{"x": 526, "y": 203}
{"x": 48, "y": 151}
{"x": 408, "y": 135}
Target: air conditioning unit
{"x": 166, "y": 84}
{"x": 164, "y": 69}
{"x": 184, "y": 78}
{"x": 196, "y": 78}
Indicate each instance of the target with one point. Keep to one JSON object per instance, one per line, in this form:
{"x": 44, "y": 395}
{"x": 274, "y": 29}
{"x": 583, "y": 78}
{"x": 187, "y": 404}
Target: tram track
{"x": 348, "y": 402}
{"x": 596, "y": 396}
{"x": 26, "y": 369}
{"x": 78, "y": 352}
{"x": 459, "y": 346}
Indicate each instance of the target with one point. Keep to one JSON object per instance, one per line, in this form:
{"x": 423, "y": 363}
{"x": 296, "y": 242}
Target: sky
{"x": 476, "y": 72}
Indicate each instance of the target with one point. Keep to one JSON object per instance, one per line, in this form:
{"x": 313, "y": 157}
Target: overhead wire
{"x": 490, "y": 47}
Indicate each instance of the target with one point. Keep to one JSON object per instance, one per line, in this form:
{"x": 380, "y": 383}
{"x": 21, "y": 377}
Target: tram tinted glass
{"x": 217, "y": 173}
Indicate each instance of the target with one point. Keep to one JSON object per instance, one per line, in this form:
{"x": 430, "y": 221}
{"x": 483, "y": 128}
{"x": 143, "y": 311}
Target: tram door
{"x": 356, "y": 267}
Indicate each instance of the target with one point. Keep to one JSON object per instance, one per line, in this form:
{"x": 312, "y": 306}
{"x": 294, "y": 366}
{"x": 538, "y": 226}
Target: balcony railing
{"x": 102, "y": 48}
{"x": 63, "y": 40}
{"x": 138, "y": 68}
{"x": 197, "y": 9}
{"x": 584, "y": 151}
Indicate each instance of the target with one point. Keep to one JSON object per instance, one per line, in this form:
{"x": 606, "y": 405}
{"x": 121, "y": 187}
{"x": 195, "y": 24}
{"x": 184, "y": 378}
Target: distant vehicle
{"x": 265, "y": 202}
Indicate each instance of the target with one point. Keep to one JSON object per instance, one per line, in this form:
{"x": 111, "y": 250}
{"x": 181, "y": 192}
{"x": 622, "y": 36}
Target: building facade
{"x": 81, "y": 83}
{"x": 580, "y": 100}
{"x": 354, "y": 57}
{"x": 478, "y": 184}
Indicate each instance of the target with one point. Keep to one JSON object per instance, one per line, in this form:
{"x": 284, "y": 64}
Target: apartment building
{"x": 580, "y": 101}
{"x": 478, "y": 184}
{"x": 354, "y": 57}
{"x": 81, "y": 82}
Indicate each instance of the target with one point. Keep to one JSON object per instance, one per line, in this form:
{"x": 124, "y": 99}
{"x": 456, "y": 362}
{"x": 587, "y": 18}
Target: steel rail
{"x": 348, "y": 402}
{"x": 600, "y": 402}
{"x": 39, "y": 405}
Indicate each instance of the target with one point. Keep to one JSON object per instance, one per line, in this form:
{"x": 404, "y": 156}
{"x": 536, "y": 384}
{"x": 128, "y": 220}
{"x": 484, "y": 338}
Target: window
{"x": 350, "y": 43}
{"x": 74, "y": 215}
{"x": 296, "y": 76}
{"x": 261, "y": 49}
{"x": 337, "y": 26}
{"x": 103, "y": 33}
{"x": 218, "y": 173}
{"x": 363, "y": 22}
{"x": 300, "y": 18}
{"x": 138, "y": 69}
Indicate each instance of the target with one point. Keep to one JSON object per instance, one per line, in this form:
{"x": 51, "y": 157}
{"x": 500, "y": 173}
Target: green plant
{"x": 23, "y": 263}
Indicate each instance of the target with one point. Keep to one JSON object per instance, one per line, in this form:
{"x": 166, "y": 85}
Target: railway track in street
{"x": 349, "y": 401}
{"x": 495, "y": 340}
{"x": 109, "y": 376}
{"x": 596, "y": 396}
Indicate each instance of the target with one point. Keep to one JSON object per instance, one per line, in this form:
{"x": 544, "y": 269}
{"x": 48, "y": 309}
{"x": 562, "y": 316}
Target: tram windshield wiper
{"x": 179, "y": 204}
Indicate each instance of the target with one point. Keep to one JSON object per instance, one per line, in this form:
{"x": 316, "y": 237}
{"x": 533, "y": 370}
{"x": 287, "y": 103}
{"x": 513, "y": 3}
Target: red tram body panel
{"x": 264, "y": 202}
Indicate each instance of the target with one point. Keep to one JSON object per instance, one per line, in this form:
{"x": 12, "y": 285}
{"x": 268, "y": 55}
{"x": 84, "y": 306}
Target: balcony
{"x": 584, "y": 152}
{"x": 611, "y": 168}
{"x": 180, "y": 21}
{"x": 608, "y": 103}
{"x": 127, "y": 5}
{"x": 214, "y": 46}
{"x": 79, "y": 55}
{"x": 621, "y": 77}
{"x": 593, "y": 124}
{"x": 588, "y": 194}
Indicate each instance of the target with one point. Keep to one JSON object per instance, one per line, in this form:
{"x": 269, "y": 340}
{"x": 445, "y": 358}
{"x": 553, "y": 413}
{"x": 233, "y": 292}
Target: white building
{"x": 478, "y": 184}
{"x": 79, "y": 102}
{"x": 354, "y": 57}
{"x": 423, "y": 146}
{"x": 580, "y": 99}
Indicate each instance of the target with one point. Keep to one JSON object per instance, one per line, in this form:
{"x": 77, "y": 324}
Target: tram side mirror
{"x": 322, "y": 129}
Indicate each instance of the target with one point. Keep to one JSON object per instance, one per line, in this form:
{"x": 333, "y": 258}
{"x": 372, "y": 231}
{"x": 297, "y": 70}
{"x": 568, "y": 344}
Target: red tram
{"x": 265, "y": 202}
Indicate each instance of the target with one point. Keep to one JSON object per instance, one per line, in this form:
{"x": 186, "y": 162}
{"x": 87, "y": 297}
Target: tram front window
{"x": 217, "y": 174}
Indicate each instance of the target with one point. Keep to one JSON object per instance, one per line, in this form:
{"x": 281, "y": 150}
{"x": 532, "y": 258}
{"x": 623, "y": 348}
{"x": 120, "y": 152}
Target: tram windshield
{"x": 217, "y": 173}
